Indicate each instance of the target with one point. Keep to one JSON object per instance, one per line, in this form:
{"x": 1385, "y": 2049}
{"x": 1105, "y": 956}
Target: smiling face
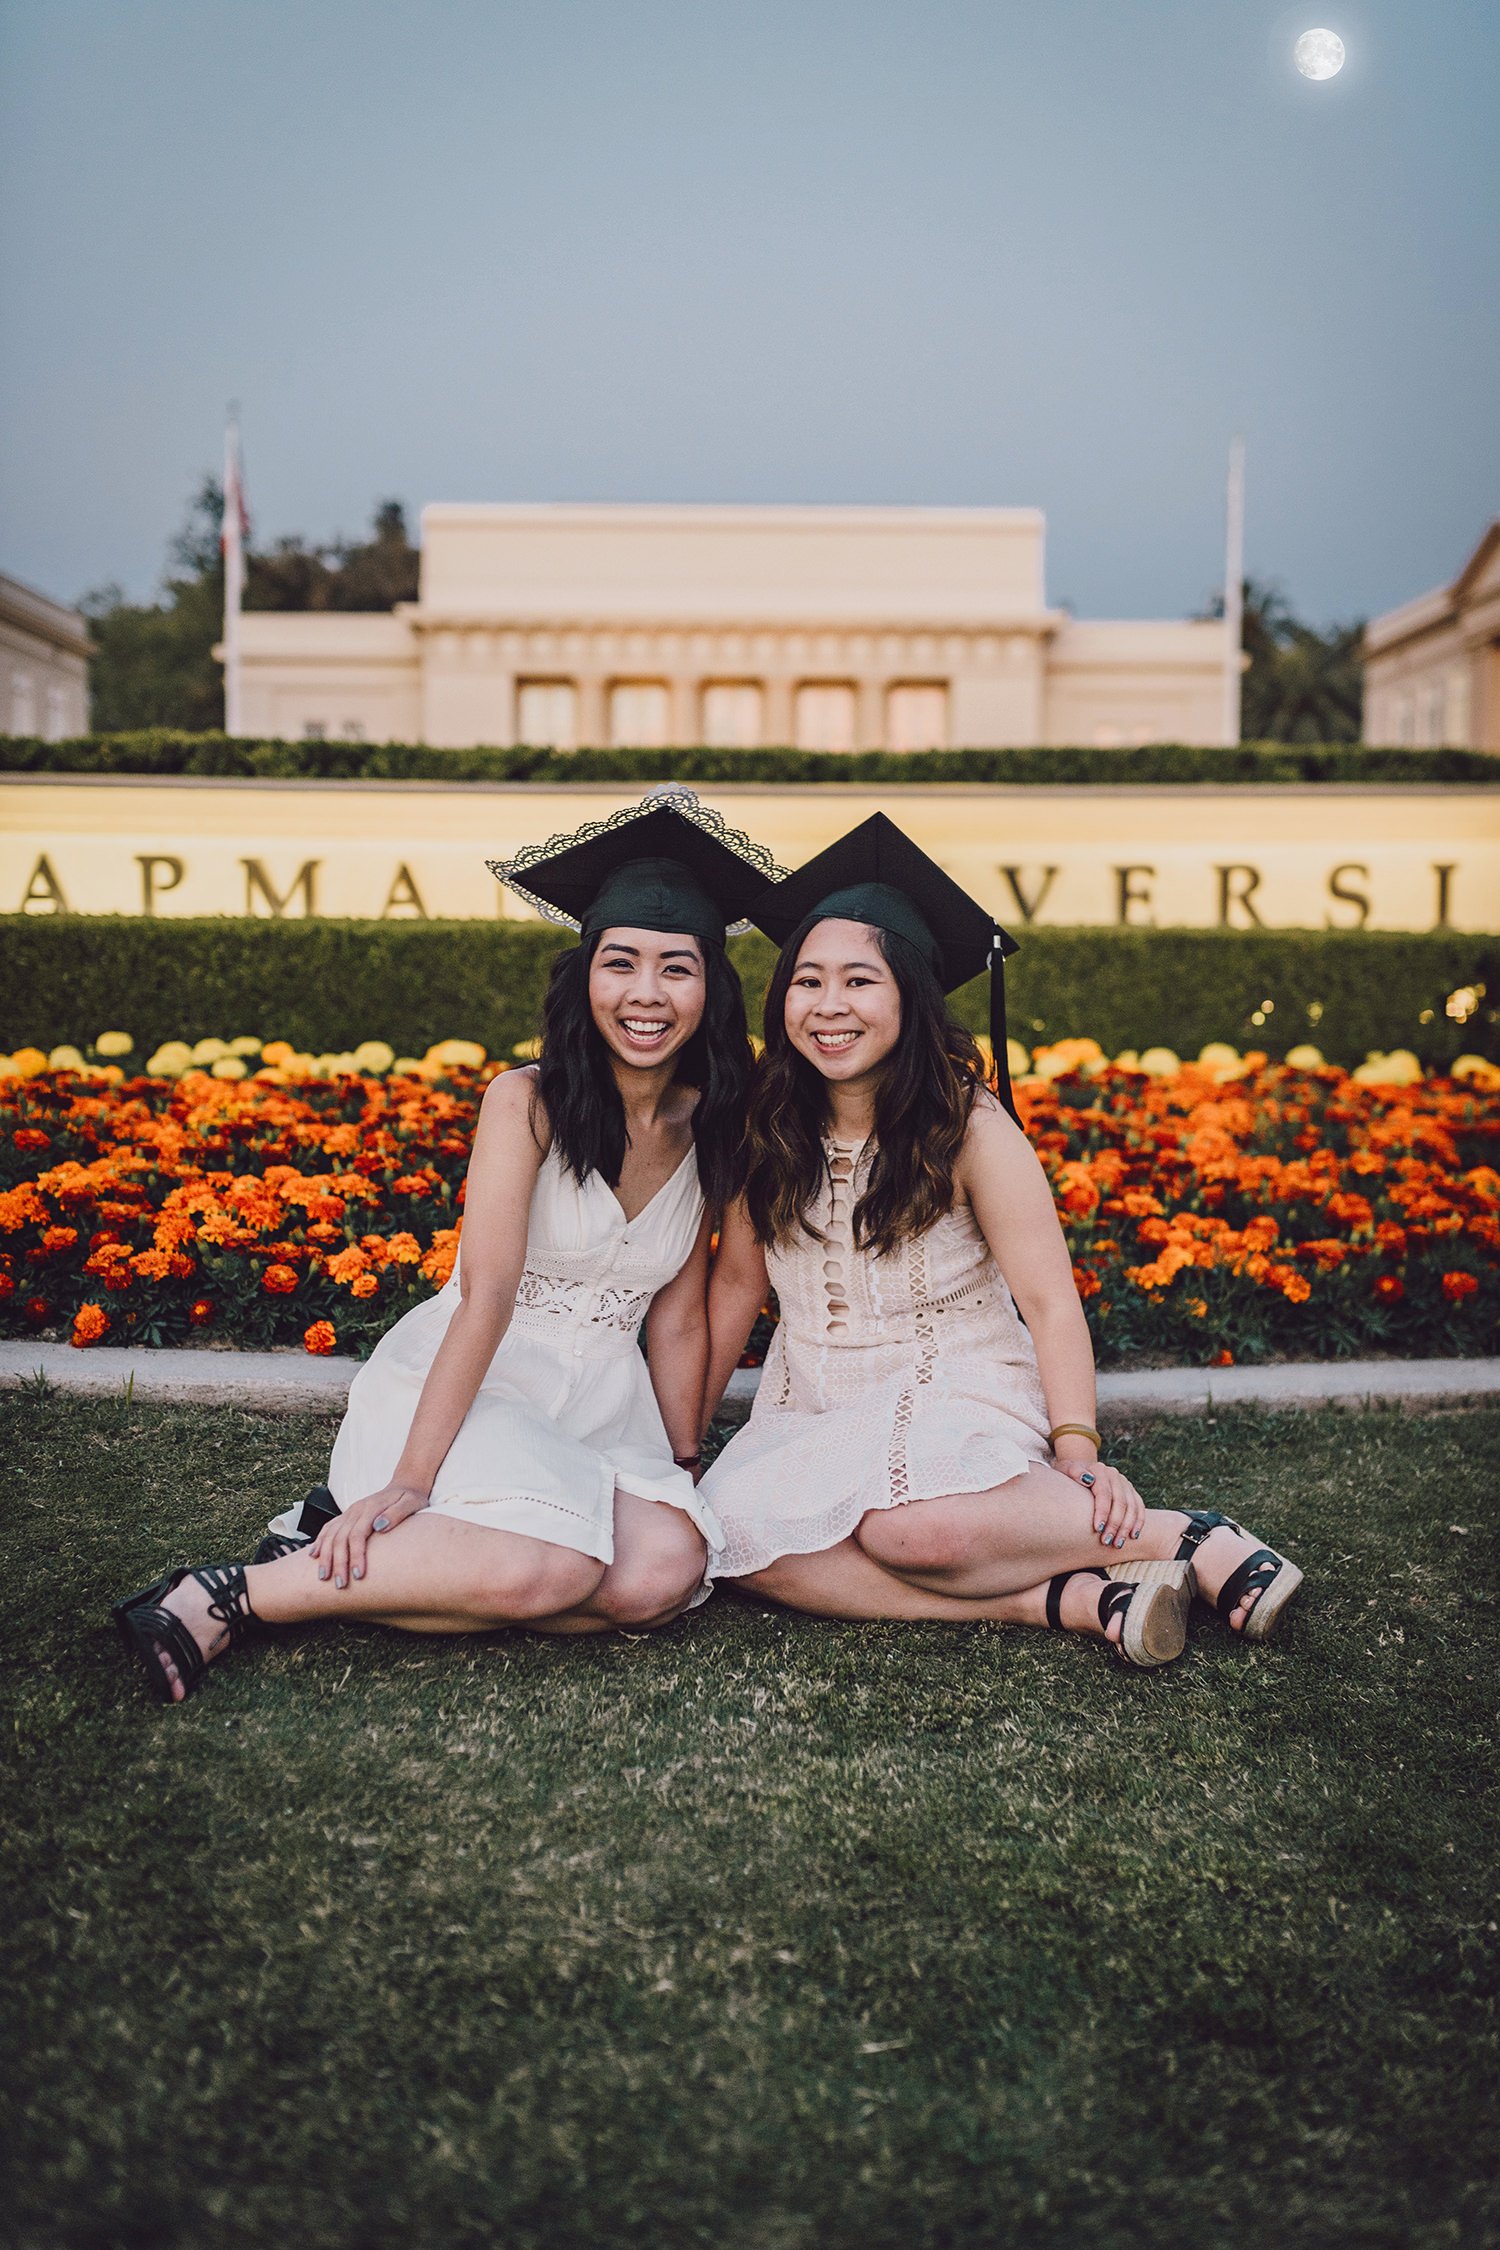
{"x": 843, "y": 1008}
{"x": 646, "y": 993}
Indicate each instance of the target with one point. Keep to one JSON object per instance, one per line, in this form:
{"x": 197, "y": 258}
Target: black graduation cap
{"x": 876, "y": 874}
{"x": 668, "y": 863}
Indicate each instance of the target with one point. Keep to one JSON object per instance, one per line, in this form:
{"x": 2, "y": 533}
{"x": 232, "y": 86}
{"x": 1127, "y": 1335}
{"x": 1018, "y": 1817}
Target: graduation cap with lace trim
{"x": 877, "y": 875}
{"x": 668, "y": 863}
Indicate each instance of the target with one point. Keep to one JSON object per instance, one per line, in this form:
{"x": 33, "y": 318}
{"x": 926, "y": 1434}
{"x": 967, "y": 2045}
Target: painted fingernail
{"x": 322, "y": 1570}
{"x": 382, "y": 1523}
{"x": 359, "y": 1570}
{"x": 1098, "y": 1527}
{"x": 338, "y": 1582}
{"x": 1135, "y": 1535}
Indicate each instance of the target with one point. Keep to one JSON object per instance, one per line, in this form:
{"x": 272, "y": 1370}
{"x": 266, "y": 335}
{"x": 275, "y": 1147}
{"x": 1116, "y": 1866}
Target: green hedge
{"x": 326, "y": 984}
{"x": 162, "y": 752}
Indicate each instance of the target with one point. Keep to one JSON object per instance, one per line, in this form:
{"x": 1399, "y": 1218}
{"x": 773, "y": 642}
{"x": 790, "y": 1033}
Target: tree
{"x": 1302, "y": 685}
{"x": 155, "y": 664}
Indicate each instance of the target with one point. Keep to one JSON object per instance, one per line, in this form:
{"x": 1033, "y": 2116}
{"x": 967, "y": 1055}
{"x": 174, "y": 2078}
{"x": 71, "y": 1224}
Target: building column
{"x": 777, "y": 714}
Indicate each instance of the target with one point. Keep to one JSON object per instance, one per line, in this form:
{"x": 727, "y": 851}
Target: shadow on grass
{"x": 758, "y": 1933}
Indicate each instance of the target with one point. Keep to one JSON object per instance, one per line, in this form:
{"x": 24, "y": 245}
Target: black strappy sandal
{"x": 318, "y": 1508}
{"x": 1265, "y": 1573}
{"x": 1151, "y": 1599}
{"x": 147, "y": 1628}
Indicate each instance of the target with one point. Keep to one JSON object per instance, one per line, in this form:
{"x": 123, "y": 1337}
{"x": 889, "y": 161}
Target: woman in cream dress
{"x": 507, "y": 1457}
{"x": 923, "y": 1444}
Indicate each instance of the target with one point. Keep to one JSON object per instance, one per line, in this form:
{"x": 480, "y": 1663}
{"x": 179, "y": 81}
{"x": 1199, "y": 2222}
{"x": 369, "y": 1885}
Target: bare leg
{"x": 658, "y": 1567}
{"x": 430, "y": 1575}
{"x": 983, "y": 1555}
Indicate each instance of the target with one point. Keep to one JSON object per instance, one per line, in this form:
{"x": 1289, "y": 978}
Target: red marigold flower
{"x": 280, "y": 1281}
{"x": 37, "y": 1309}
{"x": 7, "y": 1285}
{"x": 90, "y": 1322}
{"x": 202, "y": 1312}
{"x": 1222, "y": 1359}
{"x": 1388, "y": 1288}
{"x": 1086, "y": 1281}
{"x": 320, "y": 1338}
{"x": 30, "y": 1137}
{"x": 1457, "y": 1286}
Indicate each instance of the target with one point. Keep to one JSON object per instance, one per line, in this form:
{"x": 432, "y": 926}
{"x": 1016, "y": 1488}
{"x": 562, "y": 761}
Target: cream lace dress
{"x": 566, "y": 1411}
{"x": 889, "y": 1379}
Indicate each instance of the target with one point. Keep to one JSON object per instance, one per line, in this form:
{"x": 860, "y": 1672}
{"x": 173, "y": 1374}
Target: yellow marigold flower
{"x": 456, "y": 1054}
{"x": 405, "y": 1066}
{"x": 1305, "y": 1057}
{"x": 1161, "y": 1062}
{"x": 244, "y": 1045}
{"x": 229, "y": 1066}
{"x": 113, "y": 1043}
{"x": 27, "y": 1061}
{"x": 1474, "y": 1070}
{"x": 1399, "y": 1068}
{"x": 170, "y": 1060}
{"x": 275, "y": 1052}
{"x": 526, "y": 1050}
{"x": 374, "y": 1055}
{"x": 66, "y": 1058}
{"x": 209, "y": 1050}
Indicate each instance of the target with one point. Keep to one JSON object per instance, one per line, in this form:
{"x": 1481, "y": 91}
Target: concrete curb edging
{"x": 294, "y": 1380}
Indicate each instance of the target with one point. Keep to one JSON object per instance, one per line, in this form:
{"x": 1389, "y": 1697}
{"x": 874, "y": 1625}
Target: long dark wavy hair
{"x": 576, "y": 1082}
{"x": 926, "y": 1095}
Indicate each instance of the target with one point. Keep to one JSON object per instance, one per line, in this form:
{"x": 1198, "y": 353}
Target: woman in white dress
{"x": 506, "y": 1457}
{"x": 922, "y": 1444}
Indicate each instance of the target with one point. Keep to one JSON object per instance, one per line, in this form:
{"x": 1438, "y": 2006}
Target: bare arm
{"x": 1012, "y": 1202}
{"x": 736, "y": 1291}
{"x": 502, "y": 1174}
{"x": 677, "y": 1346}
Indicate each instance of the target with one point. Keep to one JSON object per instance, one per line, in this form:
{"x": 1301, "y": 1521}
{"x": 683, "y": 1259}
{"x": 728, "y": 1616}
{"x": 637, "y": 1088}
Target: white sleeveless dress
{"x": 566, "y": 1411}
{"x": 889, "y": 1379}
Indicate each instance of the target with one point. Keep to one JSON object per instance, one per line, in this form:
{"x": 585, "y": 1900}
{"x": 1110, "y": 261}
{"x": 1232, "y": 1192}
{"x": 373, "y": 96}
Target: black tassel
{"x": 999, "y": 1038}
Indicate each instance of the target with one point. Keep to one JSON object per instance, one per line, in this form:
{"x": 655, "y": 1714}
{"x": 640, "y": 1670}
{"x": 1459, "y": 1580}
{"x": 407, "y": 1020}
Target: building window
{"x": 1457, "y": 730}
{"x": 547, "y": 714}
{"x": 57, "y": 712}
{"x": 640, "y": 715}
{"x": 916, "y": 715}
{"x": 825, "y": 715}
{"x": 22, "y": 704}
{"x": 732, "y": 715}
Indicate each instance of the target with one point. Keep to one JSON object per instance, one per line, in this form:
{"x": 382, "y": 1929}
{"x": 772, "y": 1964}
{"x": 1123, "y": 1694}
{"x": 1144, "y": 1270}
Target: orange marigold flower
{"x": 1388, "y": 1288}
{"x": 347, "y": 1265}
{"x": 364, "y": 1285}
{"x": 1350, "y": 1210}
{"x": 1390, "y": 1239}
{"x": 404, "y": 1249}
{"x": 320, "y": 1338}
{"x": 59, "y": 1238}
{"x": 90, "y": 1322}
{"x": 1086, "y": 1281}
{"x": 1140, "y": 1204}
{"x": 1222, "y": 1359}
{"x": 280, "y": 1281}
{"x": 30, "y": 1138}
{"x": 1198, "y": 1307}
{"x": 1457, "y": 1286}
{"x": 154, "y": 1265}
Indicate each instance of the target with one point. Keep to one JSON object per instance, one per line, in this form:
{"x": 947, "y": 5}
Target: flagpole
{"x": 232, "y": 541}
{"x": 1234, "y": 588}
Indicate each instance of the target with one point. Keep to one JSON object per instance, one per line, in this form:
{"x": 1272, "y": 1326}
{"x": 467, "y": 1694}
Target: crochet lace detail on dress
{"x": 556, "y": 1296}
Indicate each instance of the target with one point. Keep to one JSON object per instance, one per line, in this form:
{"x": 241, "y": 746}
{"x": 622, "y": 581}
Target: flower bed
{"x": 1228, "y": 1209}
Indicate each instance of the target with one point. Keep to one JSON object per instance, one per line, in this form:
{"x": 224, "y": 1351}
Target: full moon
{"x": 1319, "y": 54}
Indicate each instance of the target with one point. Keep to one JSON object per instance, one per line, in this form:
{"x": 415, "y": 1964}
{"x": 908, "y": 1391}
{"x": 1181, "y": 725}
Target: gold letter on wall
{"x": 1238, "y": 894}
{"x": 1339, "y": 890}
{"x": 1444, "y": 887}
{"x": 151, "y": 887}
{"x": 44, "y": 893}
{"x": 1126, "y": 896}
{"x": 1029, "y": 908}
{"x": 405, "y": 897}
{"x": 256, "y": 879}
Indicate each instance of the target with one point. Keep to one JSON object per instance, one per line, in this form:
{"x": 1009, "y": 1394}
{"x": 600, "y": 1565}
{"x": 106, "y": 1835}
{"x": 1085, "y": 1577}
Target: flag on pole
{"x": 233, "y": 535}
{"x": 1234, "y": 588}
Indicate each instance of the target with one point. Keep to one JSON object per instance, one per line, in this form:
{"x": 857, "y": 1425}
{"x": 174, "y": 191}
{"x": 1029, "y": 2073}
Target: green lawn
{"x": 759, "y": 1934}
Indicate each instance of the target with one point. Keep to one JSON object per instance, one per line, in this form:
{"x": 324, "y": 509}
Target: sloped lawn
{"x": 759, "y": 1934}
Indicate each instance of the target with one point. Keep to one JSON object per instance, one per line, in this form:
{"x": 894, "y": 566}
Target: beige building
{"x": 655, "y": 627}
{"x": 1432, "y": 667}
{"x": 44, "y": 665}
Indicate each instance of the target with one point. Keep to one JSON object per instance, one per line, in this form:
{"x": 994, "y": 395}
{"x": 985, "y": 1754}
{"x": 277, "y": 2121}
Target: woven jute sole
{"x": 1157, "y": 1620}
{"x": 1262, "y": 1621}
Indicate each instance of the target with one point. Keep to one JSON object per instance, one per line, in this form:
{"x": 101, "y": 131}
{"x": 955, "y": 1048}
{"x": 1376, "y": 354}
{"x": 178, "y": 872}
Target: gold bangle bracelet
{"x": 1074, "y": 1429}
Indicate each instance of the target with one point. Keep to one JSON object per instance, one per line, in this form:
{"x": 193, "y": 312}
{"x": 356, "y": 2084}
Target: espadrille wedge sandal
{"x": 1267, "y": 1575}
{"x": 1151, "y": 1599}
{"x": 149, "y": 1630}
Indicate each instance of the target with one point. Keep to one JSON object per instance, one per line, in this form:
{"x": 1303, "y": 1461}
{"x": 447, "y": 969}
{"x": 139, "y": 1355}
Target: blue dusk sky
{"x": 805, "y": 250}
